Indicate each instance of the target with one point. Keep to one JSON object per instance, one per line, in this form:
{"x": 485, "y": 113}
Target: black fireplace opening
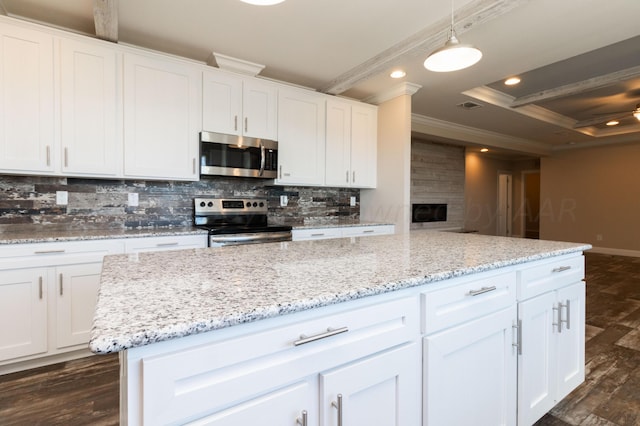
{"x": 428, "y": 213}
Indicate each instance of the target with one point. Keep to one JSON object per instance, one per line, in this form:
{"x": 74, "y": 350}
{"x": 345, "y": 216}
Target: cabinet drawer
{"x": 315, "y": 234}
{"x": 364, "y": 231}
{"x": 549, "y": 275}
{"x": 454, "y": 305}
{"x": 56, "y": 253}
{"x": 217, "y": 375}
{"x": 177, "y": 242}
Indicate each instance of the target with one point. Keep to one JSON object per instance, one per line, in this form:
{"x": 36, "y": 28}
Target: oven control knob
{"x": 255, "y": 204}
{"x": 248, "y": 204}
{"x": 210, "y": 204}
{"x": 202, "y": 204}
{"x": 261, "y": 204}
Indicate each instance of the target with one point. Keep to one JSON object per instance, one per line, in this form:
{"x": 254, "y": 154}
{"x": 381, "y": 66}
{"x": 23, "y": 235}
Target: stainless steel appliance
{"x": 237, "y": 221}
{"x": 232, "y": 155}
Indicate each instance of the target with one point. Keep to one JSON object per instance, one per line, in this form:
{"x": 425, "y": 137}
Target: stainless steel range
{"x": 235, "y": 221}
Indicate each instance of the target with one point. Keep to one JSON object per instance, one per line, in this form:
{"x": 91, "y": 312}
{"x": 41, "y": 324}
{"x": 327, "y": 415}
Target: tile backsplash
{"x": 97, "y": 204}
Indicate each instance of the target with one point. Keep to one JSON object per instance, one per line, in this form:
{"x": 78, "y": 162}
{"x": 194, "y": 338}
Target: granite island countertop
{"x": 151, "y": 297}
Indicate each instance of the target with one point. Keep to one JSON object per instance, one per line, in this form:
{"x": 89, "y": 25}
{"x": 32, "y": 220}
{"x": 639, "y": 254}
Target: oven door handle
{"x": 262, "y": 160}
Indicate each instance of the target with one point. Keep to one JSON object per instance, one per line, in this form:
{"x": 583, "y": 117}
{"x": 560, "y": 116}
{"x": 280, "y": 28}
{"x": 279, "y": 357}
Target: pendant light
{"x": 453, "y": 56}
{"x": 636, "y": 112}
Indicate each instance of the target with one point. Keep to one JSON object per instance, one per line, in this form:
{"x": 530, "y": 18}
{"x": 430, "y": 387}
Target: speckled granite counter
{"x": 43, "y": 235}
{"x": 151, "y": 297}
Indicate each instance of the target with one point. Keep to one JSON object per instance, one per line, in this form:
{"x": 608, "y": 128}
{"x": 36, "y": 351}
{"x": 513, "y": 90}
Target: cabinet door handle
{"x": 66, "y": 157}
{"x": 194, "y": 166}
{"x": 561, "y": 269}
{"x": 280, "y": 172}
{"x": 246, "y": 124}
{"x": 235, "y": 122}
{"x": 61, "y": 286}
{"x": 40, "y": 287}
{"x": 481, "y": 291}
{"x": 302, "y": 420}
{"x": 330, "y": 332}
{"x": 353, "y": 179}
{"x": 48, "y": 155}
{"x": 568, "y": 320}
{"x": 338, "y": 405}
{"x": 346, "y": 177}
{"x": 518, "y": 343}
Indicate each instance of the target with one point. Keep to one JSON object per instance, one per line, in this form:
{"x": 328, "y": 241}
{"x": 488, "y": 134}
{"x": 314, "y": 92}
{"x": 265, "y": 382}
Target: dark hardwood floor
{"x": 85, "y": 392}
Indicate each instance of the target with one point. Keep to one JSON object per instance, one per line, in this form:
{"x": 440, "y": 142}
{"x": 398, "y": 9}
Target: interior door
{"x": 504, "y": 205}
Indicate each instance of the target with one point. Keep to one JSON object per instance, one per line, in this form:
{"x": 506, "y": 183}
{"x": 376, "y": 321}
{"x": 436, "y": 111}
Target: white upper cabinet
{"x": 89, "y": 109}
{"x": 239, "y": 105}
{"x": 301, "y": 137}
{"x": 162, "y": 118}
{"x": 351, "y": 144}
{"x": 26, "y": 101}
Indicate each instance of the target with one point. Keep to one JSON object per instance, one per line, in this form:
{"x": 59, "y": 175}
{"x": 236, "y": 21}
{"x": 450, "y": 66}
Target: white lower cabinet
{"x": 76, "y": 297}
{"x": 341, "y": 232}
{"x": 376, "y": 391}
{"x": 285, "y": 370}
{"x": 552, "y": 361}
{"x": 23, "y": 313}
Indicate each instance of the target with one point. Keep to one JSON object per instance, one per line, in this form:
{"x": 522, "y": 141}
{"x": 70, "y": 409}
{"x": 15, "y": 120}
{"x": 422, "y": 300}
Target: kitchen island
{"x": 296, "y": 330}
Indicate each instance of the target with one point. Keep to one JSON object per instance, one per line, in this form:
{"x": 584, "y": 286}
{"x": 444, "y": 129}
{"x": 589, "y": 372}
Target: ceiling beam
{"x": 601, "y": 119}
{"x": 425, "y": 41}
{"x": 105, "y": 17}
{"x": 3, "y": 10}
{"x": 577, "y": 87}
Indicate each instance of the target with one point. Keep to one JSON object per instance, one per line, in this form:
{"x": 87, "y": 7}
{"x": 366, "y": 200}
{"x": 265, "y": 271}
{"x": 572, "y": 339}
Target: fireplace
{"x": 428, "y": 213}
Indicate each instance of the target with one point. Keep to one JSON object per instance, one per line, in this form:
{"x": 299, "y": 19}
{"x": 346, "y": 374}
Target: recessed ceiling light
{"x": 613, "y": 123}
{"x": 397, "y": 74}
{"x": 512, "y": 81}
{"x": 262, "y": 2}
{"x": 484, "y": 150}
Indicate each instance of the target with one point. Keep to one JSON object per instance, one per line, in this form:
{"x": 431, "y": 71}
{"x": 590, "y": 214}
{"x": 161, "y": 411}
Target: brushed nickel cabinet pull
{"x": 246, "y": 124}
{"x": 518, "y": 329}
{"x": 235, "y": 122}
{"x": 368, "y": 231}
{"x": 481, "y": 291}
{"x": 166, "y": 244}
{"x": 561, "y": 269}
{"x": 568, "y": 320}
{"x": 48, "y": 155}
{"x": 353, "y": 179}
{"x": 66, "y": 157}
{"x": 317, "y": 235}
{"x": 330, "y": 332}
{"x": 61, "y": 286}
{"x": 48, "y": 251}
{"x": 40, "y": 287}
{"x": 280, "y": 172}
{"x": 346, "y": 178}
{"x": 558, "y": 323}
{"x": 338, "y": 405}
{"x": 302, "y": 420}
{"x": 194, "y": 166}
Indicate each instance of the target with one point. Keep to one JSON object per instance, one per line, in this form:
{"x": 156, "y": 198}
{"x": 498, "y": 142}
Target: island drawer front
{"x": 216, "y": 376}
{"x": 365, "y": 231}
{"x": 549, "y": 275}
{"x": 454, "y": 305}
{"x": 56, "y": 253}
{"x": 315, "y": 234}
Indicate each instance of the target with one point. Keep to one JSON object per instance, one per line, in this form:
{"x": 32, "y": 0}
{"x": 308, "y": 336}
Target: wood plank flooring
{"x": 85, "y": 392}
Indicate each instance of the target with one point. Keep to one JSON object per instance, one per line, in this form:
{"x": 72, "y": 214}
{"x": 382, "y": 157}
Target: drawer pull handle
{"x": 481, "y": 291}
{"x": 369, "y": 231}
{"x": 166, "y": 244}
{"x": 40, "y": 288}
{"x": 561, "y": 269}
{"x": 330, "y": 332}
{"x": 61, "y": 285}
{"x": 48, "y": 251}
{"x": 338, "y": 405}
{"x": 317, "y": 235}
{"x": 302, "y": 421}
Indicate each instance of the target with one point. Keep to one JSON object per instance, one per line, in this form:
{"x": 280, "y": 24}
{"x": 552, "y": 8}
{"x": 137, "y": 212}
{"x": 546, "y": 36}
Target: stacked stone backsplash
{"x": 98, "y": 204}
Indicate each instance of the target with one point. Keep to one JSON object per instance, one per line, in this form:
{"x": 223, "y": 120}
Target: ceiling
{"x": 578, "y": 59}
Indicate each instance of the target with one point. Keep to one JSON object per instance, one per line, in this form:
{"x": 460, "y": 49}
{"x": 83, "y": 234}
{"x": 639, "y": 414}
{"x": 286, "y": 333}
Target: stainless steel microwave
{"x": 232, "y": 155}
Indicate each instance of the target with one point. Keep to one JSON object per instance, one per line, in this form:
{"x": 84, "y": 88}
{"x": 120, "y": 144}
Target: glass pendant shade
{"x": 452, "y": 56}
{"x": 636, "y": 113}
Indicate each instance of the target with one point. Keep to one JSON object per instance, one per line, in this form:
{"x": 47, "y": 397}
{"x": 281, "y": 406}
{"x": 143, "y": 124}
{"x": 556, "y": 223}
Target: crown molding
{"x": 404, "y": 88}
{"x": 445, "y": 129}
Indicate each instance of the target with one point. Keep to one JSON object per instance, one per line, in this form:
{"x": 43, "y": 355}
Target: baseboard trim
{"x": 616, "y": 252}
